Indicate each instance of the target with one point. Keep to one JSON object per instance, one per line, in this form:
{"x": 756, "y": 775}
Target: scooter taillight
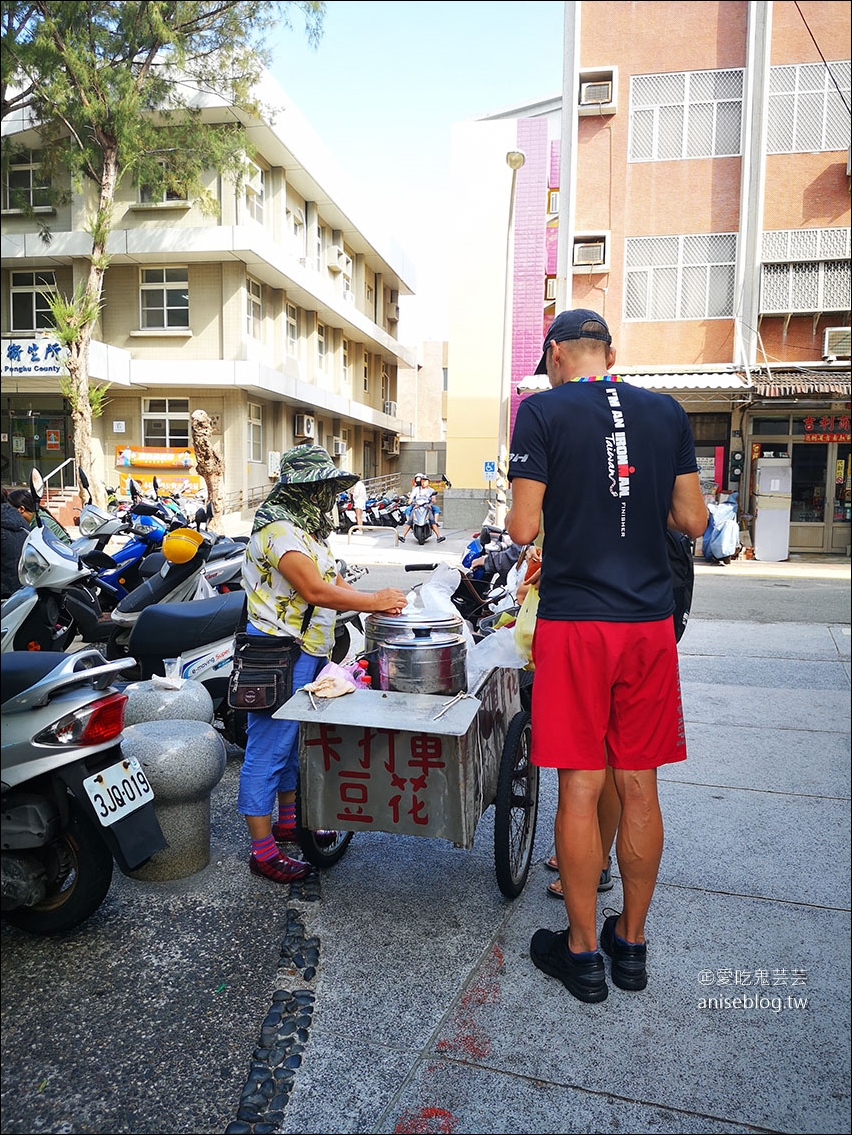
{"x": 97, "y": 723}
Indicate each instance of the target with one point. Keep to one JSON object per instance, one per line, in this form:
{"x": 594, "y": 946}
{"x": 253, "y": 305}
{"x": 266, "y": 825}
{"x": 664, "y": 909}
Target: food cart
{"x": 420, "y": 765}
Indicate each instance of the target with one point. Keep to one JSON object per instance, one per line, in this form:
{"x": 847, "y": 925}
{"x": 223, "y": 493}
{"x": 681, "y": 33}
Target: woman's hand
{"x": 390, "y": 601}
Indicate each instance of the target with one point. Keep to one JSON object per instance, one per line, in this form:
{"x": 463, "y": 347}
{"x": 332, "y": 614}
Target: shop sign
{"x": 153, "y": 457}
{"x": 33, "y": 356}
{"x": 828, "y": 427}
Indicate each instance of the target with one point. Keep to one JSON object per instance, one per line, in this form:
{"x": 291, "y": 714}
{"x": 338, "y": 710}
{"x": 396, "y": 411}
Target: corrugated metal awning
{"x": 786, "y": 384}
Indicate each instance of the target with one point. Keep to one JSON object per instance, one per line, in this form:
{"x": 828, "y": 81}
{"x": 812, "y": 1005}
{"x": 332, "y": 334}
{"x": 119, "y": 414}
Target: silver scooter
{"x": 71, "y": 802}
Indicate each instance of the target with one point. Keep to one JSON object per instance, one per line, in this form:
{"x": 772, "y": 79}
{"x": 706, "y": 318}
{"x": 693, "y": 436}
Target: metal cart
{"x": 420, "y": 765}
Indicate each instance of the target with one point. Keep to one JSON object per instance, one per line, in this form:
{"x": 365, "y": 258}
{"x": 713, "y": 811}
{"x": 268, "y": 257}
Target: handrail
{"x": 58, "y": 469}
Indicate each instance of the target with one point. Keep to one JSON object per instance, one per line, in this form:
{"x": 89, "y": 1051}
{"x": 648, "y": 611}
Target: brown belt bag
{"x": 262, "y": 675}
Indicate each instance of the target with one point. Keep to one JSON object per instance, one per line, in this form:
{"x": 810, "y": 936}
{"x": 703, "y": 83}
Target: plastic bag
{"x": 436, "y": 594}
{"x": 525, "y": 623}
{"x": 498, "y": 649}
{"x": 331, "y": 682}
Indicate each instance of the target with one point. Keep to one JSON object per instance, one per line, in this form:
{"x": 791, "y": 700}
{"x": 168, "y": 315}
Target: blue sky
{"x": 392, "y": 78}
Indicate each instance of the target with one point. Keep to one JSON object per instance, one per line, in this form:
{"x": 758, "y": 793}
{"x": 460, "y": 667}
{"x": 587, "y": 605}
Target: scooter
{"x": 71, "y": 802}
{"x": 422, "y": 517}
{"x": 57, "y": 599}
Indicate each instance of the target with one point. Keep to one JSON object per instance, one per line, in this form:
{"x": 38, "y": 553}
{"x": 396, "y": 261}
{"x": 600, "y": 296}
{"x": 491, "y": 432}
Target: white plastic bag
{"x": 497, "y": 649}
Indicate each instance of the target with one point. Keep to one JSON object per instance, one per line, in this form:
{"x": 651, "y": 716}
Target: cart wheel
{"x": 320, "y": 854}
{"x": 515, "y": 808}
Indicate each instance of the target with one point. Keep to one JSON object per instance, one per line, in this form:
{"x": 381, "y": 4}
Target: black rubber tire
{"x": 515, "y": 808}
{"x": 80, "y": 865}
{"x": 311, "y": 850}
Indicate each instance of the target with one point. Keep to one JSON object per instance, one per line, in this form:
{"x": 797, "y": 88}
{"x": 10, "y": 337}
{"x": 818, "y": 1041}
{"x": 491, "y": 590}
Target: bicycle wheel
{"x": 515, "y": 808}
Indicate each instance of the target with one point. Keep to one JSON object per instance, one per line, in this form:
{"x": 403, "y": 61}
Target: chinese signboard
{"x": 33, "y": 356}
{"x": 827, "y": 427}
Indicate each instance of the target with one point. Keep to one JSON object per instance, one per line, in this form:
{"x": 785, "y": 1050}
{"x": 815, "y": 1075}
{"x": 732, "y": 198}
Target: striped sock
{"x": 287, "y": 815}
{"x": 263, "y": 849}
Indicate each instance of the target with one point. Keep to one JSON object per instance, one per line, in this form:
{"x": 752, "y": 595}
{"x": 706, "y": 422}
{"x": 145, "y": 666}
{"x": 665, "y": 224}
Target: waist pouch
{"x": 262, "y": 675}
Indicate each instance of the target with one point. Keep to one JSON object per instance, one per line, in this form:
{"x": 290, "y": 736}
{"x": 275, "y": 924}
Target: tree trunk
{"x": 208, "y": 462}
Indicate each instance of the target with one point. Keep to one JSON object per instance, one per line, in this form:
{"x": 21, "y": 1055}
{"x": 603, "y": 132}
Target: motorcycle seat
{"x": 169, "y": 629}
{"x": 222, "y": 549}
{"x": 23, "y": 668}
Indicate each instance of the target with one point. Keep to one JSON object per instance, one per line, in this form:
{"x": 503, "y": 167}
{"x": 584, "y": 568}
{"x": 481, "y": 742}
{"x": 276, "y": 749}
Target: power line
{"x": 822, "y": 57}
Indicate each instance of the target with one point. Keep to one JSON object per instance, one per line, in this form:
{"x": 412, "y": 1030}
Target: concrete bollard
{"x": 154, "y": 701}
{"x": 183, "y": 761}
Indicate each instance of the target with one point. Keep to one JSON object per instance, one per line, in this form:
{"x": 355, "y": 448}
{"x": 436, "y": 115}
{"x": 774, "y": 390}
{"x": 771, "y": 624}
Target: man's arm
{"x": 688, "y": 510}
{"x": 524, "y": 518}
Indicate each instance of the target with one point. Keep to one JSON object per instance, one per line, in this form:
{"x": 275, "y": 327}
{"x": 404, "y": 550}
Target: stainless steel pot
{"x": 418, "y": 653}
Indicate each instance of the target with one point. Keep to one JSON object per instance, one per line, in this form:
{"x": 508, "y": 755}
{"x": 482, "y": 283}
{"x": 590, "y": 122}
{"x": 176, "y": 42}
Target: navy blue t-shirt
{"x": 608, "y": 453}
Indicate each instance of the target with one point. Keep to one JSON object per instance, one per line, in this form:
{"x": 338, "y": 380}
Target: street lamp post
{"x": 514, "y": 159}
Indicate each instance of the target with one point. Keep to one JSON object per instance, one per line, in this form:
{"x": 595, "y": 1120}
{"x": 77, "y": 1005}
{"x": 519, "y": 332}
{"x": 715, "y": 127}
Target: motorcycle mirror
{"x": 209, "y": 511}
{"x": 131, "y": 488}
{"x": 201, "y": 516}
{"x": 36, "y": 486}
{"x": 156, "y": 485}
{"x": 82, "y": 478}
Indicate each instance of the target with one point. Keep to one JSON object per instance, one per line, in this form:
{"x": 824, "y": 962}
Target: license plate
{"x": 118, "y": 790}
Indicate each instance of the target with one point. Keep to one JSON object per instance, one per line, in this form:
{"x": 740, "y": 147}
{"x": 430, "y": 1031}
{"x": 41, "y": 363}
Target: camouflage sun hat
{"x": 306, "y": 463}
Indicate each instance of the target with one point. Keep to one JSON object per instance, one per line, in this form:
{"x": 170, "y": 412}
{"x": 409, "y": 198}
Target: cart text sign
{"x": 378, "y": 777}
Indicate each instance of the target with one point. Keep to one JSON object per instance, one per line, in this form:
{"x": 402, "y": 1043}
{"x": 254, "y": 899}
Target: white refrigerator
{"x": 771, "y": 490}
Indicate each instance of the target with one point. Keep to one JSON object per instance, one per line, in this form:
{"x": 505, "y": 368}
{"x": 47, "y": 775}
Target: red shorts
{"x": 606, "y": 688}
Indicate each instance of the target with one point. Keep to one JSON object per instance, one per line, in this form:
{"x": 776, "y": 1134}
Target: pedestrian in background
{"x": 14, "y": 530}
{"x": 609, "y": 466}
{"x": 359, "y": 501}
{"x": 22, "y": 500}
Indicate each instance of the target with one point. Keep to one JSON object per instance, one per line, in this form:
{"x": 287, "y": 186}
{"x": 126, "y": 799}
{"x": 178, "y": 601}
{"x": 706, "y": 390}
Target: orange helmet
{"x": 181, "y": 545}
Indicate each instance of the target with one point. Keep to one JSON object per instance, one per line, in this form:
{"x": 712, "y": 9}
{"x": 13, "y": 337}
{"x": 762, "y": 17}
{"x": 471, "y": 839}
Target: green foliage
{"x": 97, "y": 395}
{"x": 70, "y": 314}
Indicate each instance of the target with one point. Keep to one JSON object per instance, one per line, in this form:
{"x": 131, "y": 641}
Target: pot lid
{"x": 417, "y": 638}
{"x": 438, "y": 620}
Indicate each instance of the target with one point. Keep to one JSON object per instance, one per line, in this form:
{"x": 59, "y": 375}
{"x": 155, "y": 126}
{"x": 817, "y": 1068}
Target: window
{"x": 30, "y": 310}
{"x": 254, "y": 308}
{"x": 322, "y": 345}
{"x": 552, "y": 201}
{"x": 346, "y": 361}
{"x": 805, "y": 270}
{"x": 165, "y": 422}
{"x": 368, "y": 296}
{"x": 680, "y": 277}
{"x": 164, "y": 192}
{"x": 292, "y": 329}
{"x": 24, "y": 186}
{"x": 687, "y": 114}
{"x": 806, "y": 110}
{"x": 296, "y": 225}
{"x": 254, "y": 440}
{"x": 164, "y": 298}
{"x": 255, "y": 186}
{"x": 366, "y": 368}
{"x": 386, "y": 383}
{"x": 318, "y": 246}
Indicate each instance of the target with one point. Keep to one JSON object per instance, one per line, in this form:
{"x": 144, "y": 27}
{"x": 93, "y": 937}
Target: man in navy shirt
{"x": 609, "y": 466}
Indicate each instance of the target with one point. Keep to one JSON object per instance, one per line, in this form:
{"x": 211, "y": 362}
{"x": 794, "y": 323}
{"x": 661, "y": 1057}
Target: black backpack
{"x": 681, "y": 551}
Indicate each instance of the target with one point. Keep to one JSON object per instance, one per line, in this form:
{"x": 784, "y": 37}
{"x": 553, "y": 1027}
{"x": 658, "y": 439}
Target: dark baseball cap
{"x": 573, "y": 325}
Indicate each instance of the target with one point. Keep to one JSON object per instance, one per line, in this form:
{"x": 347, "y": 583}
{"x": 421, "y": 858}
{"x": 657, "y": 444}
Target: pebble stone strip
{"x": 285, "y": 1031}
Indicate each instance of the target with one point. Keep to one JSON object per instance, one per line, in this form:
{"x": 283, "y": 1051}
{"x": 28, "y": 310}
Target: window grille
{"x": 24, "y": 185}
{"x": 164, "y": 297}
{"x": 688, "y": 114}
{"x": 806, "y": 288}
{"x": 30, "y": 309}
{"x": 680, "y": 277}
{"x": 254, "y": 308}
{"x": 805, "y": 244}
{"x": 806, "y": 111}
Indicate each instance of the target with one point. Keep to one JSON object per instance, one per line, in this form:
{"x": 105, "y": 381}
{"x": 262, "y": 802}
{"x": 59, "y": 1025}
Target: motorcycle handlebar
{"x": 420, "y": 567}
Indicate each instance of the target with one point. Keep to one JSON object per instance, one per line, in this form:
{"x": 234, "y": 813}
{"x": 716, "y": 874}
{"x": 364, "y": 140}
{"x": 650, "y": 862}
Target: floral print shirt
{"x": 275, "y": 607}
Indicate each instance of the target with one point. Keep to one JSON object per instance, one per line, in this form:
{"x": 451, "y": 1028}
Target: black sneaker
{"x": 581, "y": 974}
{"x": 628, "y": 958}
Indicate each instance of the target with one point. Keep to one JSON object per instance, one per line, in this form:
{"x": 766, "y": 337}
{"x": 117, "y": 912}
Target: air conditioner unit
{"x": 334, "y": 258}
{"x": 392, "y": 312}
{"x": 592, "y": 253}
{"x": 390, "y": 445}
{"x": 550, "y": 288}
{"x": 836, "y": 342}
{"x": 338, "y": 447}
{"x": 390, "y": 409}
{"x": 306, "y": 425}
{"x": 595, "y": 94}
